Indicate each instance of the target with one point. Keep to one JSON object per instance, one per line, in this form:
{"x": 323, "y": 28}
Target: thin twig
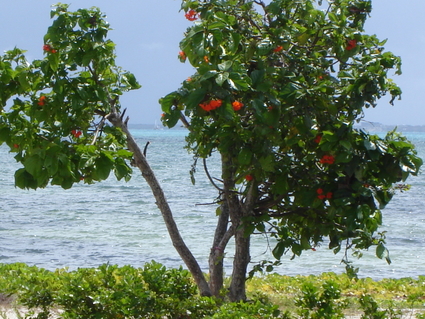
{"x": 204, "y": 161}
{"x": 98, "y": 130}
{"x": 146, "y": 147}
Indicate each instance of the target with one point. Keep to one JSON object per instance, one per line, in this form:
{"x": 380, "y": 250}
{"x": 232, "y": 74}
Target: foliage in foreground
{"x": 154, "y": 291}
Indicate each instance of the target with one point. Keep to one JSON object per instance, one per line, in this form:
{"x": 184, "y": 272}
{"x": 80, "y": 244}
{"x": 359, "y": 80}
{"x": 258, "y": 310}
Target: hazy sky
{"x": 147, "y": 34}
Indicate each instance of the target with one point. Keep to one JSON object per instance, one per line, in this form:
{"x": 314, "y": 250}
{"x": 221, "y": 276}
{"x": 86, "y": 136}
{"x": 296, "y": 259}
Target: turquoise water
{"x": 119, "y": 223}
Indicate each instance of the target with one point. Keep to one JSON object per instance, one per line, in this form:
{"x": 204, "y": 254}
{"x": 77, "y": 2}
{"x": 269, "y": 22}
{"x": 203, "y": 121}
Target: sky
{"x": 147, "y": 34}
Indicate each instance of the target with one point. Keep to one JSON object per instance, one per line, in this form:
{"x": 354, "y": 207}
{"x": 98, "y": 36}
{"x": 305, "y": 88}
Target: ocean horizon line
{"x": 370, "y": 126}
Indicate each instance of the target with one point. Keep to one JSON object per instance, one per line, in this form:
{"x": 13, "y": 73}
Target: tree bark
{"x": 242, "y": 243}
{"x": 141, "y": 162}
{"x": 242, "y": 258}
{"x": 216, "y": 259}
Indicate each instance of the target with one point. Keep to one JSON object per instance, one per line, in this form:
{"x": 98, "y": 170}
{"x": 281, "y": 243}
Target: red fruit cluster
{"x": 321, "y": 194}
{"x": 327, "y": 159}
{"x": 48, "y": 48}
{"x": 351, "y": 44}
{"x": 318, "y": 139}
{"x": 182, "y": 56}
{"x": 76, "y": 133}
{"x": 249, "y": 178}
{"x": 237, "y": 105}
{"x": 42, "y": 100}
{"x": 278, "y": 48}
{"x": 211, "y": 105}
{"x": 191, "y": 15}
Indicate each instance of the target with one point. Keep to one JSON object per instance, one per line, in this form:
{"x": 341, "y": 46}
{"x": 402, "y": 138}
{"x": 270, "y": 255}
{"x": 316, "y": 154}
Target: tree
{"x": 276, "y": 92}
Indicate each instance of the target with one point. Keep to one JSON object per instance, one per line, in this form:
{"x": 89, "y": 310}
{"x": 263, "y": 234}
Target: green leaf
{"x": 195, "y": 98}
{"x": 33, "y": 164}
{"x": 25, "y": 180}
{"x": 53, "y": 59}
{"x": 4, "y": 134}
{"x": 244, "y": 157}
{"x": 122, "y": 170}
{"x": 171, "y": 119}
{"x": 103, "y": 166}
{"x": 238, "y": 82}
{"x": 209, "y": 74}
{"x": 169, "y": 101}
{"x": 279, "y": 250}
{"x": 281, "y": 185}
{"x": 346, "y": 144}
{"x": 221, "y": 78}
{"x": 267, "y": 163}
{"x": 303, "y": 38}
{"x": 51, "y": 164}
{"x": 383, "y": 253}
{"x": 134, "y": 85}
{"x": 226, "y": 65}
{"x": 23, "y": 81}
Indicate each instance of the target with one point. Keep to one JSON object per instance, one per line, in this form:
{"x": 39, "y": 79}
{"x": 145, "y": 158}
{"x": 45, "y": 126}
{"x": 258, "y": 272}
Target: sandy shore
{"x": 10, "y": 310}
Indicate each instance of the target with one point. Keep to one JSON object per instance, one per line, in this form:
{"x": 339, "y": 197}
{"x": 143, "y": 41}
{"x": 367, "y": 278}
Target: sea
{"x": 117, "y": 222}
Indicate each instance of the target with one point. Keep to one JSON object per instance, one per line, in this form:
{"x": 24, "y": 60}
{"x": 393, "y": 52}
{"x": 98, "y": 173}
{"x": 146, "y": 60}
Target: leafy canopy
{"x": 55, "y": 124}
{"x": 278, "y": 89}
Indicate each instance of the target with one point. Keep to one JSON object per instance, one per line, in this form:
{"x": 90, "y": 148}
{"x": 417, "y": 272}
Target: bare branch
{"x": 99, "y": 129}
{"x": 204, "y": 161}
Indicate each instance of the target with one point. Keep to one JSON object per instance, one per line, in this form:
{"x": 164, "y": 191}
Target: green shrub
{"x": 107, "y": 292}
{"x": 372, "y": 311}
{"x": 324, "y": 302}
{"x": 113, "y": 292}
{"x": 155, "y": 292}
{"x": 247, "y": 310}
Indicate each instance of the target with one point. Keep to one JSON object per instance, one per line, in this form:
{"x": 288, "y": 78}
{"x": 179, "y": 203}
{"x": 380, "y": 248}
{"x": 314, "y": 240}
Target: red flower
{"x": 323, "y": 76}
{"x": 278, "y": 48}
{"x": 76, "y": 133}
{"x": 321, "y": 194}
{"x": 215, "y": 104}
{"x": 211, "y": 105}
{"x": 351, "y": 44}
{"x": 48, "y": 48}
{"x": 237, "y": 106}
{"x": 327, "y": 159}
{"x": 42, "y": 100}
{"x": 206, "y": 59}
{"x": 15, "y": 145}
{"x": 249, "y": 178}
{"x": 182, "y": 56}
{"x": 191, "y": 15}
{"x": 318, "y": 139}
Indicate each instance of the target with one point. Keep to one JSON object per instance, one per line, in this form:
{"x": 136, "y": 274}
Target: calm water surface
{"x": 119, "y": 223}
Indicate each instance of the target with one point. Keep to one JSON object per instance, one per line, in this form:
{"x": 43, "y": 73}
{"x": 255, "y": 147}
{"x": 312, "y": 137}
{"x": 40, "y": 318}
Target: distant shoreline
{"x": 369, "y": 126}
{"x": 379, "y": 127}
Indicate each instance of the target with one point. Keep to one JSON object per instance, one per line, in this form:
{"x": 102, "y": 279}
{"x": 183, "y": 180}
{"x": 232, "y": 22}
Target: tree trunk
{"x": 141, "y": 162}
{"x": 242, "y": 243}
{"x": 240, "y": 264}
{"x": 221, "y": 238}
